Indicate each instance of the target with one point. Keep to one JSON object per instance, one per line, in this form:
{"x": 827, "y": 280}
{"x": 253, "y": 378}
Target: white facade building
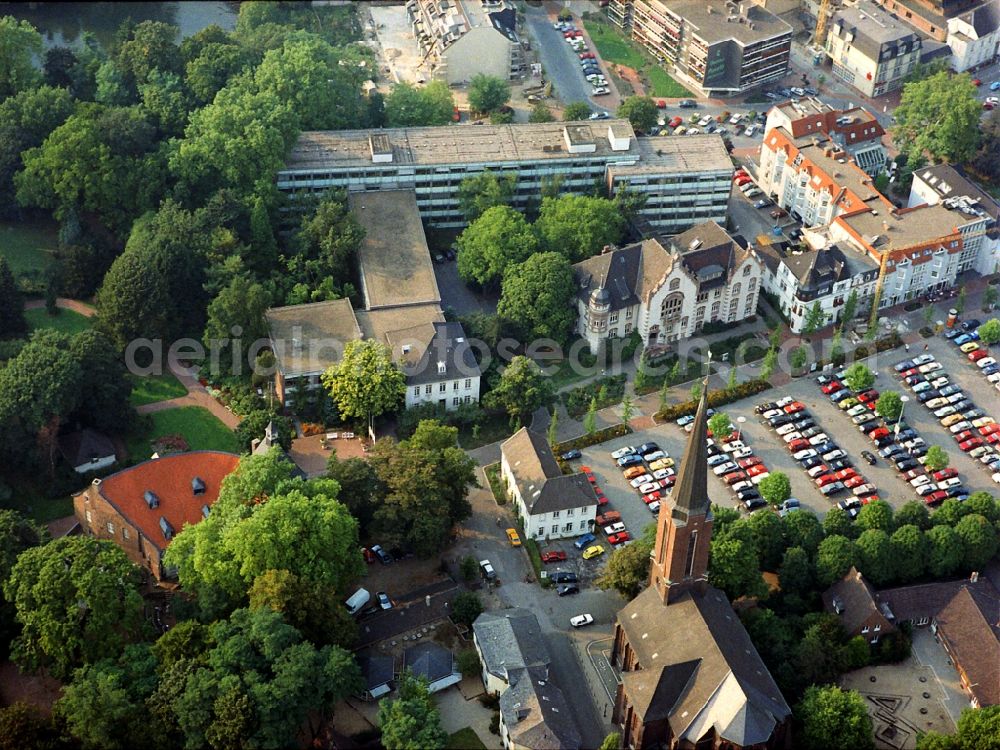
{"x": 706, "y": 276}
{"x": 551, "y": 504}
{"x": 974, "y": 37}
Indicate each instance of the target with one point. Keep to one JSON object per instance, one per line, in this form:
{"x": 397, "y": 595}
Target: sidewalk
{"x": 197, "y": 395}
{"x": 82, "y": 308}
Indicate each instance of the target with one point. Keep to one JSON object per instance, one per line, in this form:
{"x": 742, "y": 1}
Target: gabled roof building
{"x": 552, "y": 505}
{"x": 690, "y": 675}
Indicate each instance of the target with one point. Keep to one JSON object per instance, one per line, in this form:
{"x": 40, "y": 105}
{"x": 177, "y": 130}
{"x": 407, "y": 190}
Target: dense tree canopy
{"x": 521, "y": 389}
{"x": 366, "y": 382}
{"x": 483, "y": 191}
{"x": 641, "y": 111}
{"x": 576, "y": 111}
{"x": 938, "y": 116}
{"x": 411, "y": 721}
{"x": 539, "y": 297}
{"x": 832, "y": 718}
{"x": 77, "y": 602}
{"x": 859, "y": 377}
{"x": 20, "y": 43}
{"x": 578, "y": 226}
{"x": 12, "y": 321}
{"x": 409, "y": 106}
{"x": 497, "y": 239}
{"x": 488, "y": 93}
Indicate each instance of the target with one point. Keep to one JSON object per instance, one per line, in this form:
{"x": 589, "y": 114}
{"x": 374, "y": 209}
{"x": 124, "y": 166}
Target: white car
{"x": 628, "y": 450}
{"x": 785, "y": 429}
{"x": 654, "y": 456}
{"x": 760, "y": 477}
{"x": 748, "y": 186}
{"x": 920, "y": 481}
{"x": 792, "y": 436}
{"x": 982, "y": 421}
{"x": 924, "y": 386}
{"x": 614, "y": 528}
{"x": 944, "y": 411}
{"x": 771, "y": 413}
{"x": 817, "y": 470}
{"x": 641, "y": 480}
{"x": 856, "y": 410}
{"x": 985, "y": 362}
{"x": 960, "y": 427}
{"x": 662, "y": 473}
{"x": 580, "y": 620}
{"x": 645, "y": 489}
{"x": 654, "y": 507}
{"x": 802, "y": 455}
{"x": 735, "y": 118}
{"x": 818, "y": 439}
{"x": 834, "y": 455}
{"x": 982, "y": 450}
{"x": 923, "y": 359}
{"x": 994, "y": 378}
{"x": 784, "y": 401}
{"x": 937, "y": 403}
{"x": 940, "y": 382}
{"x": 996, "y": 477}
{"x": 743, "y": 453}
{"x": 740, "y": 486}
{"x": 725, "y": 468}
{"x": 733, "y": 446}
{"x": 705, "y": 120}
{"x": 947, "y": 484}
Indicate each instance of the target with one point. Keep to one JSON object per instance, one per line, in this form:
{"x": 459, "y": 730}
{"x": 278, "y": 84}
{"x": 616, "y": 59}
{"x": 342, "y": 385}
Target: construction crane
{"x": 819, "y": 35}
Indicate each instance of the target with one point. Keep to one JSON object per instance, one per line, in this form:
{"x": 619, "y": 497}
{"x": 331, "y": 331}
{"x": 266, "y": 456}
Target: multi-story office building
{"x": 703, "y": 275}
{"x": 685, "y": 180}
{"x": 870, "y": 49}
{"x": 856, "y": 131}
{"x": 462, "y": 38}
{"x": 719, "y": 48}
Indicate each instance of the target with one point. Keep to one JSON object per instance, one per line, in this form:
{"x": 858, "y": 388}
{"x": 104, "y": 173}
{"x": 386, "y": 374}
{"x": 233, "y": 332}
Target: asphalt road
{"x": 561, "y": 63}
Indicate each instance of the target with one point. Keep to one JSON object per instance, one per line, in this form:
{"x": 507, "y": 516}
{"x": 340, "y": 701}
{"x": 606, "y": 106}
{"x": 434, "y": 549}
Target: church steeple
{"x": 684, "y": 530}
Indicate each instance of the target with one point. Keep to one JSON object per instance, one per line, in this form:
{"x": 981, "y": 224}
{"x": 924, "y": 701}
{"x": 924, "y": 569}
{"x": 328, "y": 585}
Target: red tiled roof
{"x": 170, "y": 478}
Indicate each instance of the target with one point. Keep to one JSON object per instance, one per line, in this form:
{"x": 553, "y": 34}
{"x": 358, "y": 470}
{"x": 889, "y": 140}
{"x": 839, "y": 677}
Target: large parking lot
{"x": 838, "y": 426}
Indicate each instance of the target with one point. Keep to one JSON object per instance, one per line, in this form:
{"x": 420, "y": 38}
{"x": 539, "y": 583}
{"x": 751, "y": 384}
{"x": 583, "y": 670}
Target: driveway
{"x": 459, "y": 297}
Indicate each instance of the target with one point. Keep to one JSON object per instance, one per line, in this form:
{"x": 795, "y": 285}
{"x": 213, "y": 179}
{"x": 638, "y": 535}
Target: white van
{"x": 358, "y": 600}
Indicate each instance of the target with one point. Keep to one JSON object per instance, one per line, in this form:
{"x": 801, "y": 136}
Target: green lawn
{"x": 614, "y": 47}
{"x": 464, "y": 739}
{"x": 28, "y": 500}
{"x": 66, "y": 321}
{"x": 27, "y": 246}
{"x": 200, "y": 428}
{"x": 153, "y": 388}
{"x": 661, "y": 84}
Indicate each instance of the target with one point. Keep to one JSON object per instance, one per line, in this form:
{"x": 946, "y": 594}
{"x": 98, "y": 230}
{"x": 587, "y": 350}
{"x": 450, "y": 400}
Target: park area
{"x": 64, "y": 321}
{"x": 195, "y": 426}
{"x": 614, "y": 47}
{"x": 28, "y": 247}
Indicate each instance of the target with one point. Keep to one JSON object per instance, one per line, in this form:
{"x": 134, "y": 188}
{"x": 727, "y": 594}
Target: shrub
{"x": 468, "y": 662}
{"x": 600, "y": 436}
{"x": 715, "y": 400}
{"x": 607, "y": 390}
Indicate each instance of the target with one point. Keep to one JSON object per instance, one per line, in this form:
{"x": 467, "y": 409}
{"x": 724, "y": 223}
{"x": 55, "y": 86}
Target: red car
{"x": 868, "y": 499}
{"x": 989, "y": 429}
{"x": 880, "y": 432}
{"x": 742, "y": 180}
{"x": 976, "y": 82}
{"x": 846, "y": 473}
{"x": 674, "y": 122}
{"x": 993, "y": 438}
{"x": 936, "y": 497}
{"x": 589, "y": 474}
{"x": 795, "y": 407}
{"x": 832, "y": 387}
{"x": 906, "y": 373}
{"x": 871, "y": 395}
{"x": 668, "y": 481}
{"x": 965, "y": 435}
{"x": 947, "y": 473}
{"x": 968, "y": 445}
{"x": 661, "y": 103}
{"x": 756, "y": 470}
{"x": 619, "y": 538}
{"x": 556, "y": 555}
{"x": 738, "y": 476}
{"x": 587, "y": 56}
{"x": 798, "y": 445}
{"x": 746, "y": 463}
{"x": 855, "y": 481}
{"x": 601, "y": 498}
{"x": 978, "y": 355}
{"x": 825, "y": 479}
{"x": 652, "y": 497}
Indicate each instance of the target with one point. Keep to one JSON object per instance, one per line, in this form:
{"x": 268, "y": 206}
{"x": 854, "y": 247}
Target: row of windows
{"x": 567, "y": 528}
{"x": 110, "y": 527}
{"x": 442, "y": 387}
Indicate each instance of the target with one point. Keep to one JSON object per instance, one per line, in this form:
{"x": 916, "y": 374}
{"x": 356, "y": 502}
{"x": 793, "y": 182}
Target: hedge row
{"x": 577, "y": 401}
{"x": 600, "y": 436}
{"x": 715, "y": 400}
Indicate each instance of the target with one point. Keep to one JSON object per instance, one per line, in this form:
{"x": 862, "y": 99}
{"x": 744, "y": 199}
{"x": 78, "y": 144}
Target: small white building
{"x": 551, "y": 504}
{"x": 705, "y": 276}
{"x": 974, "y": 37}
{"x": 87, "y": 450}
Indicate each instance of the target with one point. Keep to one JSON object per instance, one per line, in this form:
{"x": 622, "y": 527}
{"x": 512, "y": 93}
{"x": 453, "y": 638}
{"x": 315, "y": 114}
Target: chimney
{"x": 606, "y": 249}
{"x": 254, "y": 444}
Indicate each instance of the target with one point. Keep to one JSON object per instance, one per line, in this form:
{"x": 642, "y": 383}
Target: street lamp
{"x": 903, "y": 399}
{"x": 739, "y": 430}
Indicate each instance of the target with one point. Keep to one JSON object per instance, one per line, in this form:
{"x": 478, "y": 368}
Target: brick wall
{"x": 95, "y": 513}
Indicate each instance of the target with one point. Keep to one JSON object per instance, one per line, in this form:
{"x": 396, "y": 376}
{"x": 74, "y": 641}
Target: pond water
{"x": 64, "y": 23}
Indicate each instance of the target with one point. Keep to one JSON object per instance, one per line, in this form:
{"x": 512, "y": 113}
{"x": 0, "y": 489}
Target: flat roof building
{"x": 684, "y": 180}
{"x": 719, "y": 48}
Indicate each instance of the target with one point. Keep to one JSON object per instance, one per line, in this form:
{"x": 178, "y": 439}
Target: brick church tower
{"x": 684, "y": 527}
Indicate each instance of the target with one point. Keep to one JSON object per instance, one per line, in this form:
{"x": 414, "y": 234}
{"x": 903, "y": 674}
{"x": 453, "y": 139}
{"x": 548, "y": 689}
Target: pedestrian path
{"x": 197, "y": 395}
{"x": 74, "y": 305}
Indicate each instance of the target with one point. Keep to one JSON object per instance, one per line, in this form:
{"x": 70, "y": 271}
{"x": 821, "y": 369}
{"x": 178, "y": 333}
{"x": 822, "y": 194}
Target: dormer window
{"x": 198, "y": 486}
{"x": 166, "y": 528}
{"x": 151, "y": 499}
{"x": 204, "y": 511}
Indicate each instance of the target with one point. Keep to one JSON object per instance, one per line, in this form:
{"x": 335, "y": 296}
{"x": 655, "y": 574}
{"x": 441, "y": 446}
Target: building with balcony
{"x": 870, "y": 49}
{"x": 666, "y": 289}
{"x": 684, "y": 180}
{"x": 463, "y": 38}
{"x": 721, "y": 48}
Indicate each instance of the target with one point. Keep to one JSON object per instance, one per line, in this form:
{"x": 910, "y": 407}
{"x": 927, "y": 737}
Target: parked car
{"x": 571, "y": 455}
{"x": 513, "y": 538}
{"x": 581, "y": 620}
{"x": 567, "y": 589}
{"x": 584, "y": 540}
{"x": 555, "y": 555}
{"x": 384, "y": 557}
{"x": 592, "y": 552}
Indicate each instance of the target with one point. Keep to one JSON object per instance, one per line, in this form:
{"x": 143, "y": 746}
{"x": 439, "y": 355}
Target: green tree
{"x": 104, "y": 387}
{"x": 358, "y": 488}
{"x": 720, "y": 425}
{"x": 889, "y": 406}
{"x": 407, "y": 106}
{"x": 832, "y": 718}
{"x": 26, "y": 726}
{"x": 553, "y": 431}
{"x": 150, "y": 47}
{"x": 640, "y": 111}
{"x": 541, "y": 113}
{"x": 909, "y": 548}
{"x": 859, "y": 377}
{"x": 984, "y": 504}
{"x": 989, "y": 332}
{"x": 733, "y": 567}
{"x": 914, "y": 513}
{"x": 366, "y": 382}
{"x": 77, "y": 602}
{"x": 499, "y": 238}
{"x": 17, "y": 533}
{"x": 960, "y": 301}
{"x": 166, "y": 99}
{"x": 469, "y": 569}
{"x": 611, "y": 742}
{"x": 538, "y": 296}
{"x": 628, "y": 408}
{"x": 483, "y": 191}
{"x": 877, "y": 515}
{"x": 12, "y": 322}
{"x": 936, "y": 458}
{"x": 990, "y": 297}
{"x": 946, "y": 551}
{"x": 101, "y": 160}
{"x": 104, "y": 706}
{"x": 254, "y": 424}
{"x": 578, "y": 226}
{"x": 949, "y": 513}
{"x": 835, "y": 556}
{"x": 798, "y": 358}
{"x": 769, "y": 363}
{"x": 838, "y": 523}
{"x": 326, "y": 247}
{"x": 731, "y": 382}
{"x": 212, "y": 68}
{"x": 576, "y": 111}
{"x": 804, "y": 529}
{"x": 20, "y": 43}
{"x": 411, "y": 721}
{"x": 938, "y": 116}
{"x": 796, "y": 572}
{"x": 979, "y": 541}
{"x": 522, "y": 389}
{"x": 590, "y": 419}
{"x": 875, "y": 559}
{"x": 134, "y": 300}
{"x": 814, "y": 320}
{"x": 187, "y": 640}
{"x": 675, "y": 374}
{"x": 424, "y": 483}
{"x": 627, "y": 570}
{"x": 259, "y": 683}
{"x": 776, "y": 488}
{"x": 978, "y": 728}
{"x": 696, "y": 388}
{"x": 850, "y": 308}
{"x": 311, "y": 608}
{"x": 466, "y": 608}
{"x": 836, "y": 347}
{"x": 236, "y": 321}
{"x": 488, "y": 93}
{"x": 768, "y": 530}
